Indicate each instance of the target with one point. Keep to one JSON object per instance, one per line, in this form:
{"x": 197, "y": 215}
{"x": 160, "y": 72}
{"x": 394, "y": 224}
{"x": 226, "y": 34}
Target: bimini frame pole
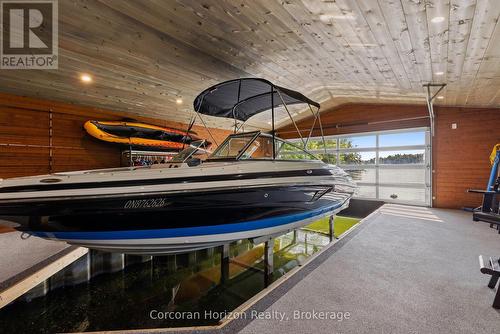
{"x": 290, "y": 115}
{"x": 203, "y": 121}
{"x": 312, "y": 127}
{"x": 272, "y": 121}
{"x": 318, "y": 116}
{"x": 232, "y": 111}
{"x": 430, "y": 108}
{"x": 241, "y": 126}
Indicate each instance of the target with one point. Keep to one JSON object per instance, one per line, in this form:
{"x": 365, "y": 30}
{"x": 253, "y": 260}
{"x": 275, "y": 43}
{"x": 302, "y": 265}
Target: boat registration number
{"x": 146, "y": 203}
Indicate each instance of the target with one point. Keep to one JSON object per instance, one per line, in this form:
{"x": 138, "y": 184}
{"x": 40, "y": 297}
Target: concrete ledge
{"x": 21, "y": 283}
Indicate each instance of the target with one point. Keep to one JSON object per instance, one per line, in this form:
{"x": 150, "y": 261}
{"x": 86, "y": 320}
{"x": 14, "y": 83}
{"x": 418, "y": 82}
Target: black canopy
{"x": 242, "y": 98}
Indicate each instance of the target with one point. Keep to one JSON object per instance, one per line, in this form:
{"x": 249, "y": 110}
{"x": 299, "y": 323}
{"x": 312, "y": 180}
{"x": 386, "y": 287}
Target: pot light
{"x": 439, "y": 73}
{"x": 178, "y": 101}
{"x": 440, "y": 97}
{"x": 437, "y": 19}
{"x": 86, "y": 78}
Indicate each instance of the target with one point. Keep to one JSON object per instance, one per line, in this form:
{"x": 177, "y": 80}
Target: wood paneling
{"x": 25, "y": 145}
{"x": 144, "y": 55}
{"x": 461, "y": 156}
{"x": 355, "y": 118}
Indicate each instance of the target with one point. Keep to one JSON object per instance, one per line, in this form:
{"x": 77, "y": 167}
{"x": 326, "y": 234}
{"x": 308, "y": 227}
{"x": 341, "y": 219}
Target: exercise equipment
{"x": 489, "y": 211}
{"x": 492, "y": 268}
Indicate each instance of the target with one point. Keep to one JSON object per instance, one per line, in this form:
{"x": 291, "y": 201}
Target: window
{"x": 392, "y": 165}
{"x": 254, "y": 145}
{"x": 287, "y": 151}
{"x": 401, "y": 157}
{"x": 260, "y": 148}
{"x": 402, "y": 139}
{"x": 317, "y": 144}
{"x": 357, "y": 158}
{"x": 358, "y": 141}
{"x": 328, "y": 158}
{"x": 233, "y": 146}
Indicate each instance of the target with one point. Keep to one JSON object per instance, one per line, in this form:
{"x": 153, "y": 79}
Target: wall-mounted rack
{"x": 145, "y": 158}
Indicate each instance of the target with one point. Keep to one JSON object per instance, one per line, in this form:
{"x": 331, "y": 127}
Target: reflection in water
{"x": 182, "y": 283}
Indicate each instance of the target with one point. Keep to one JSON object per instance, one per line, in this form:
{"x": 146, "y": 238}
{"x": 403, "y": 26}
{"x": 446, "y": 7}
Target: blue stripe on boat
{"x": 189, "y": 231}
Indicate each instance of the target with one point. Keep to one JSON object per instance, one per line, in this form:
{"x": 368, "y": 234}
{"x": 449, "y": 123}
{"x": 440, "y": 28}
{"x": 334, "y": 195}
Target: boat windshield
{"x": 255, "y": 145}
{"x": 194, "y": 148}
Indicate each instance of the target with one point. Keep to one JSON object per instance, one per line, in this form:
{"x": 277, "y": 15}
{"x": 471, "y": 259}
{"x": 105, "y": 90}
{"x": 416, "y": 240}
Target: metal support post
{"x": 331, "y": 223}
{"x": 268, "y": 261}
{"x": 224, "y": 263}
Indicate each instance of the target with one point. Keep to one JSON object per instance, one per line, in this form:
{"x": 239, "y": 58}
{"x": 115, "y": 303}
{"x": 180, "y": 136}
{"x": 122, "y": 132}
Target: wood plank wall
{"x": 26, "y": 143}
{"x": 355, "y": 118}
{"x": 460, "y": 156}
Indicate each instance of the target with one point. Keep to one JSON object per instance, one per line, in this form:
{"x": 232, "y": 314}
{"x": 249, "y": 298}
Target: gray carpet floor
{"x": 19, "y": 254}
{"x": 410, "y": 270}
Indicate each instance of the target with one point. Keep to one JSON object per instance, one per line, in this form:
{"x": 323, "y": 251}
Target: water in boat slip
{"x": 160, "y": 293}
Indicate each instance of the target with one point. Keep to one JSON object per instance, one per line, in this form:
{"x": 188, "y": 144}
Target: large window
{"x": 393, "y": 166}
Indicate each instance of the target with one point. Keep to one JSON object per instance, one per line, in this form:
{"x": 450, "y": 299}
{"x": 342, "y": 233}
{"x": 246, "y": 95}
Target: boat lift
{"x": 250, "y": 96}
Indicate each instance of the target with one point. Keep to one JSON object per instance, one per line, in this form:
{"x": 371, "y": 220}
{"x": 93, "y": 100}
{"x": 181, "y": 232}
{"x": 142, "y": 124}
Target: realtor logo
{"x": 29, "y": 37}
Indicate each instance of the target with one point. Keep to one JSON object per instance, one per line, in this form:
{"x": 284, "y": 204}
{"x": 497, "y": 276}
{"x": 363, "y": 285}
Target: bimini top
{"x": 242, "y": 98}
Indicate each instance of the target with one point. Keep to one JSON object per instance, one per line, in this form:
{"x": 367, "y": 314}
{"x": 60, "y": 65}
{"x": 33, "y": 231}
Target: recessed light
{"x": 439, "y": 73}
{"x": 440, "y": 97}
{"x": 437, "y": 19}
{"x": 178, "y": 101}
{"x": 86, "y": 78}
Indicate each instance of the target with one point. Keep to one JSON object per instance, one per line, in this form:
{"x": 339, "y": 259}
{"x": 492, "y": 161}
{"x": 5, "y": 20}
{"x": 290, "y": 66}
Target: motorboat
{"x": 253, "y": 184}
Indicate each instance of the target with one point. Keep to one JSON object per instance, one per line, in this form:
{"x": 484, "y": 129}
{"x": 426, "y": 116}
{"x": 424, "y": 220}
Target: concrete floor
{"x": 19, "y": 255}
{"x": 409, "y": 270}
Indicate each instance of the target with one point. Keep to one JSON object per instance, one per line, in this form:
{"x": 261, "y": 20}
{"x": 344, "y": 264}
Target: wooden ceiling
{"x": 145, "y": 55}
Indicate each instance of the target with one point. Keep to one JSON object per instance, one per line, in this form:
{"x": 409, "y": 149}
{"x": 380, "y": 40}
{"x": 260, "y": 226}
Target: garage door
{"x": 393, "y": 166}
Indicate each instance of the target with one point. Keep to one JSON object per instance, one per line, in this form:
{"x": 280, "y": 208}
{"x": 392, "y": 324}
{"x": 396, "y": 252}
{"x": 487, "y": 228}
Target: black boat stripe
{"x": 146, "y": 182}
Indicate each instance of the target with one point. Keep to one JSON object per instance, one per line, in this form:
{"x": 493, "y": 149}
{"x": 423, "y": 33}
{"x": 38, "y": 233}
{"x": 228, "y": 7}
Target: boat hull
{"x": 185, "y": 239}
{"x": 171, "y": 210}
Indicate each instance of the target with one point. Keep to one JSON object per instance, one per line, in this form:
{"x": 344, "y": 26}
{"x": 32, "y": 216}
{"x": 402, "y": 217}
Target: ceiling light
{"x": 86, "y": 78}
{"x": 437, "y": 19}
{"x": 439, "y": 73}
{"x": 178, "y": 101}
{"x": 440, "y": 97}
